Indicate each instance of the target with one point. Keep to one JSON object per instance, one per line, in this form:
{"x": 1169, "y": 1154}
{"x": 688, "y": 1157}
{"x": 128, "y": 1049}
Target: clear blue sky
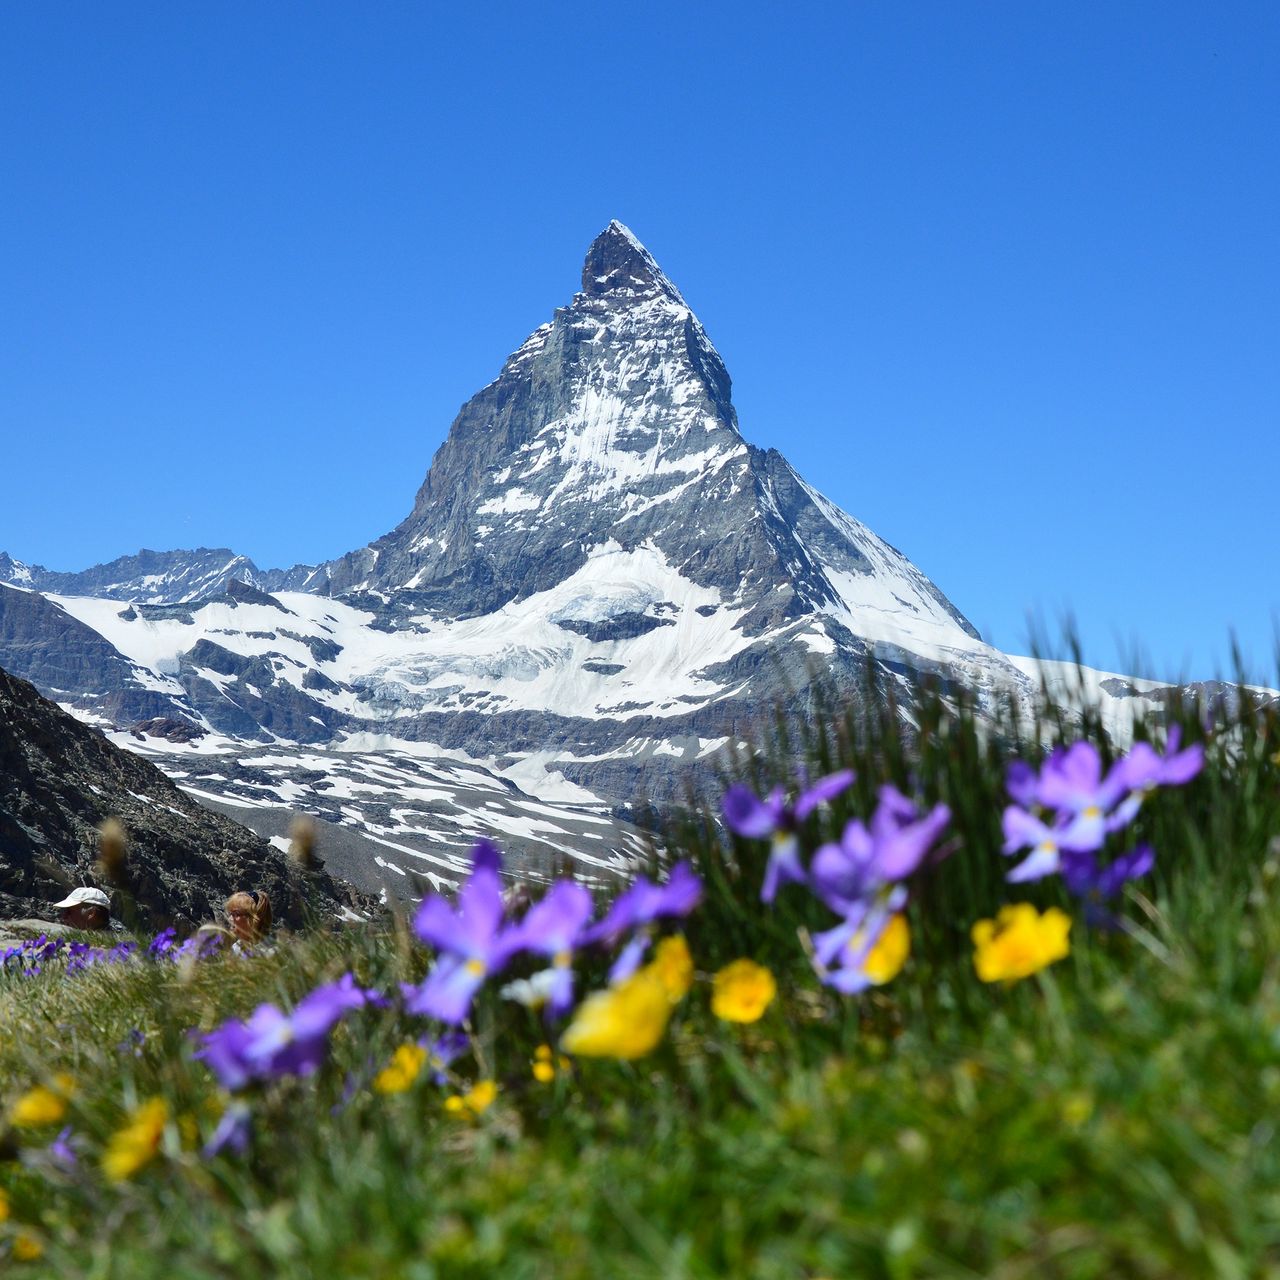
{"x": 1002, "y": 279}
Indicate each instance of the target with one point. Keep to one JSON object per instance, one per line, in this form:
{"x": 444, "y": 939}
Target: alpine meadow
{"x": 556, "y": 712}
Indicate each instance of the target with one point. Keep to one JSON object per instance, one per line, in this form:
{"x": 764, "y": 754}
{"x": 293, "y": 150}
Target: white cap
{"x": 86, "y": 897}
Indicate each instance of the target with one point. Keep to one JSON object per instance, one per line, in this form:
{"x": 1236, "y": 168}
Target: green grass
{"x": 1112, "y": 1117}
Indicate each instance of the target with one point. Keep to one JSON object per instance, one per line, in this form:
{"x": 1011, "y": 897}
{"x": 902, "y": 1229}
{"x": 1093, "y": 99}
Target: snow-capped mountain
{"x": 599, "y": 584}
{"x": 606, "y": 451}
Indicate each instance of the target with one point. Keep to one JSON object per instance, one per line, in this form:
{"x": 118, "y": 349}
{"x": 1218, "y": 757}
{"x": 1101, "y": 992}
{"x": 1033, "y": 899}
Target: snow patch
{"x": 507, "y": 503}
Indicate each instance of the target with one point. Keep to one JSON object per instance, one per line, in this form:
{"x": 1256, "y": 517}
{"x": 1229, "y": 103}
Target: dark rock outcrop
{"x": 169, "y": 730}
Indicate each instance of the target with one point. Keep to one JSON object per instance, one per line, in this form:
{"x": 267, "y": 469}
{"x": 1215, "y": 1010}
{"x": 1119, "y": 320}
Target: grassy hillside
{"x": 1109, "y": 1115}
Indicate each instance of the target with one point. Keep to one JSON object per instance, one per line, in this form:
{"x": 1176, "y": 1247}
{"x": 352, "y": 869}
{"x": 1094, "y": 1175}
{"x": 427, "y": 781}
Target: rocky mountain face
{"x": 60, "y": 779}
{"x": 614, "y": 424}
{"x": 41, "y": 641}
{"x": 599, "y": 585}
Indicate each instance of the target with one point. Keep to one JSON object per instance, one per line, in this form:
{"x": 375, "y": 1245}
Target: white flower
{"x": 532, "y": 992}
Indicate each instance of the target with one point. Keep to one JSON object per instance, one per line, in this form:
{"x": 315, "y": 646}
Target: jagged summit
{"x": 617, "y": 262}
{"x": 594, "y": 427}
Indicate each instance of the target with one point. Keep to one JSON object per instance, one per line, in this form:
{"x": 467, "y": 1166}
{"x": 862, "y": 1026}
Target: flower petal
{"x": 555, "y": 923}
{"x": 784, "y": 867}
{"x": 746, "y": 814}
{"x": 447, "y": 991}
{"x": 823, "y": 790}
{"x": 1043, "y": 862}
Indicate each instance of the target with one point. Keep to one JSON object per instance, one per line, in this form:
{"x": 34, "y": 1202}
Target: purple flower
{"x": 162, "y": 943}
{"x": 485, "y": 854}
{"x": 555, "y": 927}
{"x": 62, "y": 1151}
{"x": 81, "y": 956}
{"x": 867, "y": 861}
{"x": 644, "y": 902}
{"x": 272, "y": 1044}
{"x": 1144, "y": 769}
{"x": 840, "y": 954}
{"x": 232, "y": 1132}
{"x": 1024, "y": 830}
{"x": 442, "y": 1050}
{"x": 1072, "y": 783}
{"x": 1085, "y": 878}
{"x": 43, "y": 949}
{"x": 629, "y": 958}
{"x": 296, "y": 1044}
{"x": 1022, "y": 782}
{"x": 1087, "y": 805}
{"x": 200, "y": 946}
{"x": 133, "y": 1042}
{"x": 472, "y": 941}
{"x": 276, "y": 1049}
{"x": 223, "y": 1051}
{"x": 774, "y": 818}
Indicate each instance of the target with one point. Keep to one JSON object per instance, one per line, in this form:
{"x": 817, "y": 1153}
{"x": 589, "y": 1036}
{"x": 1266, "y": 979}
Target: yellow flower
{"x": 743, "y": 991}
{"x": 43, "y": 1104}
{"x": 27, "y": 1248}
{"x": 37, "y": 1107}
{"x": 546, "y": 1065}
{"x": 885, "y": 960}
{"x": 1019, "y": 942}
{"x": 624, "y": 1021}
{"x": 4, "y": 1205}
{"x": 673, "y": 966}
{"x": 481, "y": 1096}
{"x": 135, "y": 1146}
{"x": 474, "y": 1102}
{"x": 404, "y": 1068}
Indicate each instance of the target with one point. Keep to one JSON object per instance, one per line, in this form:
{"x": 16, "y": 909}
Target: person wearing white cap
{"x": 85, "y": 909}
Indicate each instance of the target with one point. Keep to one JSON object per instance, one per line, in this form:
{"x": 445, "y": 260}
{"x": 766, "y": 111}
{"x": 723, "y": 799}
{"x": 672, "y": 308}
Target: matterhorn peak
{"x": 617, "y": 262}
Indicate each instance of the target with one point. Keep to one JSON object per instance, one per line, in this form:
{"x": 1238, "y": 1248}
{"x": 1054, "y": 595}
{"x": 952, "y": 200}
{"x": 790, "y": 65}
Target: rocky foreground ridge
{"x": 60, "y": 779}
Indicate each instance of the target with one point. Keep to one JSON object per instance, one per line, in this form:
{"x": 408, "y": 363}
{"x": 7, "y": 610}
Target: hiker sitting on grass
{"x": 85, "y": 908}
{"x": 250, "y": 918}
